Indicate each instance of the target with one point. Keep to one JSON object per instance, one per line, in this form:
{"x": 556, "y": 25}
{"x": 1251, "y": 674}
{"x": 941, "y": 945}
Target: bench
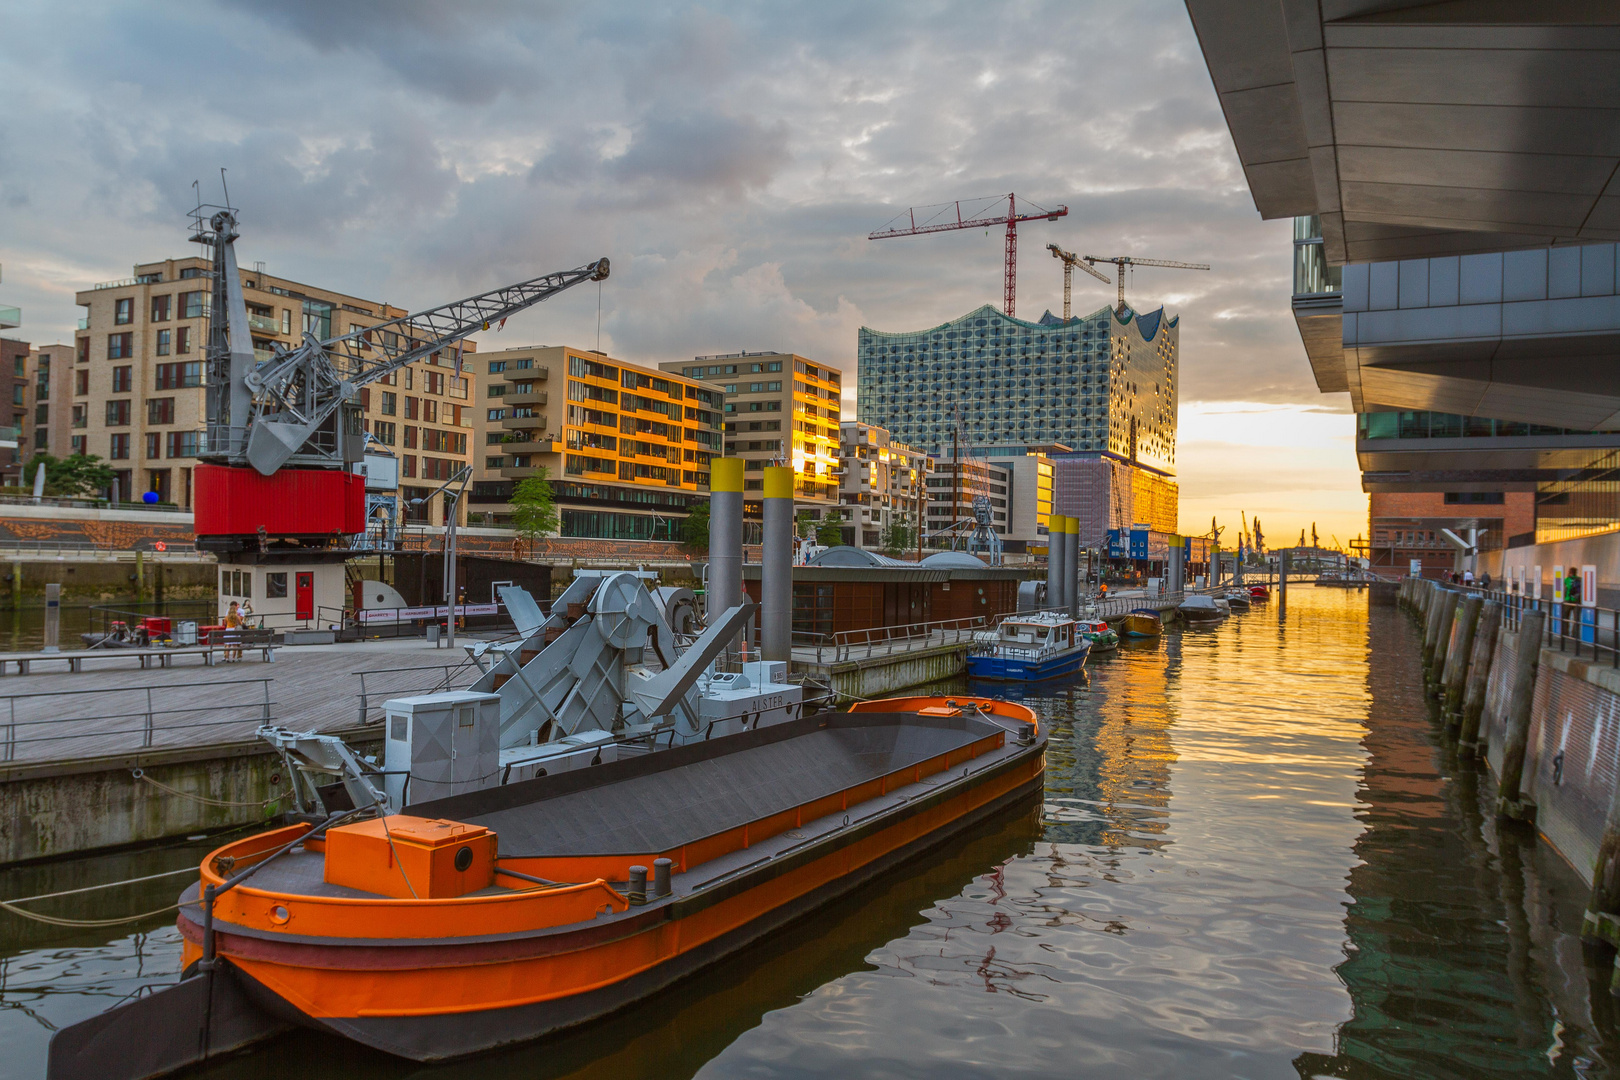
{"x": 75, "y": 658}
{"x": 244, "y": 640}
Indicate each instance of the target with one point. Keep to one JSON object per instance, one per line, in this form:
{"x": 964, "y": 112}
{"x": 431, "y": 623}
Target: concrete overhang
{"x": 1320, "y": 320}
{"x": 1551, "y": 454}
{"x": 1421, "y": 128}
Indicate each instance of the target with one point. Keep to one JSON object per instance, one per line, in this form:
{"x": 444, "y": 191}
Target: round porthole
{"x": 279, "y": 915}
{"x": 464, "y": 859}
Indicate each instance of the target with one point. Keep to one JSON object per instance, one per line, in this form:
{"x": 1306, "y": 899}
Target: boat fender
{"x": 637, "y": 892}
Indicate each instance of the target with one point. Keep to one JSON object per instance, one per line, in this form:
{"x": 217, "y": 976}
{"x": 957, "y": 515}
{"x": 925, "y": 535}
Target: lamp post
{"x": 452, "y": 506}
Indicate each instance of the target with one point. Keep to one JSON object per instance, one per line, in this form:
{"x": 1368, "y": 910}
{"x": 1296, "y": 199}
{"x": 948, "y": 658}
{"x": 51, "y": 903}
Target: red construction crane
{"x": 953, "y": 218}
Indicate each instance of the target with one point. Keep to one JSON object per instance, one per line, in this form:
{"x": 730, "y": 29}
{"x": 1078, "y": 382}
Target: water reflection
{"x": 1252, "y": 860}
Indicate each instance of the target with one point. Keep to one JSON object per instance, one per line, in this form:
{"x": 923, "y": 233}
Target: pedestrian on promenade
{"x": 233, "y": 633}
{"x": 1572, "y": 602}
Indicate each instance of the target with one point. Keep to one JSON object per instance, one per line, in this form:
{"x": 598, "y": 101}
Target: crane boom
{"x": 266, "y": 415}
{"x": 1124, "y": 262}
{"x": 983, "y": 218}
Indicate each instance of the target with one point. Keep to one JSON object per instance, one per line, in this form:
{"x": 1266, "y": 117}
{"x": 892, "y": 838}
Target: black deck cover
{"x": 665, "y": 799}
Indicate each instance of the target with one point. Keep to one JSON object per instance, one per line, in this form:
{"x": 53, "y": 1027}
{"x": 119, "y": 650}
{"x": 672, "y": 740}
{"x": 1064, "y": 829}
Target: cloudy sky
{"x": 729, "y": 159}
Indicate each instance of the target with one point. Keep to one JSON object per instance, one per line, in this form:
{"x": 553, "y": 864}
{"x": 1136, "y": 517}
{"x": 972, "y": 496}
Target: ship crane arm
{"x": 299, "y": 390}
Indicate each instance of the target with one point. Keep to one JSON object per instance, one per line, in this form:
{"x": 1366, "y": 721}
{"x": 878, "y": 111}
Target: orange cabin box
{"x": 429, "y": 858}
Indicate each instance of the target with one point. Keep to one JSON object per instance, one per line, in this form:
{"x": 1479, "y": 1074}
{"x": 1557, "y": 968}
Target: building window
{"x": 410, "y": 437}
{"x": 183, "y": 444}
{"x": 121, "y": 379}
{"x": 494, "y": 463}
{"x": 123, "y": 311}
{"x": 1312, "y": 274}
{"x": 42, "y": 414}
{"x": 430, "y": 410}
{"x": 182, "y": 340}
{"x": 178, "y": 376}
{"x": 286, "y": 328}
{"x": 76, "y": 443}
{"x": 497, "y": 389}
{"x": 160, "y": 410}
{"x": 275, "y": 585}
{"x": 84, "y": 350}
{"x": 193, "y": 305}
{"x": 318, "y": 319}
{"x": 384, "y": 430}
{"x": 120, "y": 346}
{"x": 411, "y": 412}
{"x": 497, "y": 414}
{"x": 497, "y": 366}
{"x": 160, "y": 308}
{"x": 407, "y": 462}
{"x": 41, "y": 438}
{"x": 154, "y": 444}
{"x": 118, "y": 445}
{"x": 118, "y": 412}
{"x": 163, "y": 342}
{"x": 390, "y": 403}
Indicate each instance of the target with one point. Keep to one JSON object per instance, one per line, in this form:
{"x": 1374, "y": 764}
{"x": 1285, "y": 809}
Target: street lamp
{"x": 452, "y": 504}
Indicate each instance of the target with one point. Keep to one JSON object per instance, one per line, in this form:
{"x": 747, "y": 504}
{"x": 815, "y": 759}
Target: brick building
{"x": 1405, "y": 525}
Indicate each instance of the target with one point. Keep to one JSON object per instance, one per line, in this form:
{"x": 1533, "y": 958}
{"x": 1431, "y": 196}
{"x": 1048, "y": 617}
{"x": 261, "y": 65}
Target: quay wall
{"x": 50, "y": 810}
{"x": 106, "y": 580}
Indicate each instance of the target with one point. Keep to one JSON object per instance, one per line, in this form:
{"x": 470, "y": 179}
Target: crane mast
{"x": 1070, "y": 261}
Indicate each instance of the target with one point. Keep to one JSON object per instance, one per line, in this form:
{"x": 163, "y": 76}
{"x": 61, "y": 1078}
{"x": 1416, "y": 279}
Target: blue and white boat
{"x": 1028, "y": 648}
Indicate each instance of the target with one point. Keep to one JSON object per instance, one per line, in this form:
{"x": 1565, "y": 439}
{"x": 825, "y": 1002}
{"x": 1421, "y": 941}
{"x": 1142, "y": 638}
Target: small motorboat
{"x": 1100, "y": 634}
{"x": 1259, "y": 593}
{"x": 1143, "y": 623}
{"x": 1201, "y": 610}
{"x": 1237, "y": 600}
{"x": 1028, "y": 648}
{"x": 508, "y": 913}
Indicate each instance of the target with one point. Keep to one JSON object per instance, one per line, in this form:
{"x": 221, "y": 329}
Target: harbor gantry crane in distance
{"x": 1070, "y": 261}
{"x": 945, "y": 217}
{"x": 1123, "y": 262}
{"x": 285, "y": 436}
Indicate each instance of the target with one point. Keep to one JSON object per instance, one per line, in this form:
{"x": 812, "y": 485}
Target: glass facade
{"x": 1312, "y": 274}
{"x": 1435, "y": 425}
{"x": 1097, "y": 382}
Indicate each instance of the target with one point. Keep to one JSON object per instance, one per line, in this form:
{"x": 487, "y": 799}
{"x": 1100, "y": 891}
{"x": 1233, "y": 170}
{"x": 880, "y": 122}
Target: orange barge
{"x": 511, "y": 913}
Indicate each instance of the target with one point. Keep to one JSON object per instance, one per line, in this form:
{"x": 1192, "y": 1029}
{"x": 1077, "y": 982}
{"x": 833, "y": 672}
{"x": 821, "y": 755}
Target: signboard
{"x": 1588, "y": 585}
{"x": 1415, "y": 567}
{"x": 1535, "y": 584}
{"x": 439, "y": 612}
{"x": 1139, "y": 544}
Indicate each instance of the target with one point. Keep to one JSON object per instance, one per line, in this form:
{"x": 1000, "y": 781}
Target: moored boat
{"x": 1259, "y": 592}
{"x": 509, "y": 913}
{"x": 1143, "y": 623}
{"x": 1102, "y": 636}
{"x": 1237, "y": 599}
{"x": 1201, "y": 611}
{"x": 1029, "y": 648}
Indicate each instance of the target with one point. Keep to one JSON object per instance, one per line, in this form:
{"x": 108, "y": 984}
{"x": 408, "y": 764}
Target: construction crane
{"x": 1123, "y": 262}
{"x": 1070, "y": 261}
{"x": 300, "y": 409}
{"x": 945, "y": 217}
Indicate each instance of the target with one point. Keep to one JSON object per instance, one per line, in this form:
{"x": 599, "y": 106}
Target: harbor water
{"x": 1253, "y": 859}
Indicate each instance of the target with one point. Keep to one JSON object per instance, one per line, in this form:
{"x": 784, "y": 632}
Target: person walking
{"x": 1572, "y": 602}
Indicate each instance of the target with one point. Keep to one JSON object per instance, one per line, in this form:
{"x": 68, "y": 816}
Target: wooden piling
{"x": 1458, "y": 656}
{"x": 1445, "y": 607}
{"x": 1600, "y": 922}
{"x": 1510, "y": 801}
{"x": 1479, "y": 675}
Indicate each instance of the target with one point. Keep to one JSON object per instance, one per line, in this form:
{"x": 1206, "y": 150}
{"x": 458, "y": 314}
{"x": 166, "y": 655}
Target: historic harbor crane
{"x": 944, "y": 217}
{"x": 1124, "y": 262}
{"x": 1070, "y": 261}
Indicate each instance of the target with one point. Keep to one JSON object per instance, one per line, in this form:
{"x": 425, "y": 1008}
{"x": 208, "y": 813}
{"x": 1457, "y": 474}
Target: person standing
{"x": 233, "y": 633}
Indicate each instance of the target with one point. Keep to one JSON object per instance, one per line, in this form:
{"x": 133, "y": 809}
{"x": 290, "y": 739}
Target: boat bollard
{"x": 638, "y": 885}
{"x": 661, "y": 878}
{"x": 1026, "y": 734}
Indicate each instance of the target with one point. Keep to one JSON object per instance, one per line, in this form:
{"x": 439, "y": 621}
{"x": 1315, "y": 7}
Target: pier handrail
{"x": 449, "y": 672}
{"x": 845, "y": 645}
{"x": 147, "y": 711}
{"x": 1570, "y": 628}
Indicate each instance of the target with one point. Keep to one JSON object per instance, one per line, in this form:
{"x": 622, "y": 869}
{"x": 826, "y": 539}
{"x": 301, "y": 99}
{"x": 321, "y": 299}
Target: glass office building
{"x": 1099, "y": 383}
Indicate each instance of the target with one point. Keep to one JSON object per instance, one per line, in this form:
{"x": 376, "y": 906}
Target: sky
{"x": 729, "y": 159}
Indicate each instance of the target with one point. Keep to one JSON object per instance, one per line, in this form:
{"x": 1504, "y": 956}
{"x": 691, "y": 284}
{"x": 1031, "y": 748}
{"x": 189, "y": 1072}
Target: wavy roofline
{"x": 1131, "y": 318}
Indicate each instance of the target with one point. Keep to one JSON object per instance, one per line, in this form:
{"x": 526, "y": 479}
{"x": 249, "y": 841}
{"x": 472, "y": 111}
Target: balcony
{"x": 11, "y": 318}
{"x": 524, "y": 419}
{"x": 533, "y": 397}
{"x": 265, "y": 324}
{"x": 84, "y": 323}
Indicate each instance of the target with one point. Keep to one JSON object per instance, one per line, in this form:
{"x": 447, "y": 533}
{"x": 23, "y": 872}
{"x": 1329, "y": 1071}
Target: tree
{"x": 897, "y": 538}
{"x": 695, "y": 529}
{"x": 534, "y": 510}
{"x": 77, "y": 475}
{"x": 806, "y": 524}
{"x": 830, "y": 532}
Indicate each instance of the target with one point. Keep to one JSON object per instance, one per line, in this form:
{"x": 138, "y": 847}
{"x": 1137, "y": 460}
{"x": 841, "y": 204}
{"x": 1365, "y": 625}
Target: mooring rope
{"x": 140, "y": 774}
{"x": 55, "y": 920}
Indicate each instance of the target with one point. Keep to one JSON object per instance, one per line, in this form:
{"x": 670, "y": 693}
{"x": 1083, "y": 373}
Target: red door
{"x": 306, "y": 596}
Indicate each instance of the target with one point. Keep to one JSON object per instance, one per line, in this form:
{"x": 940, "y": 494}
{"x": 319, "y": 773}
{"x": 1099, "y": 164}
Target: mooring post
{"x": 1431, "y": 618}
{"x": 1510, "y": 802}
{"x": 1600, "y": 922}
{"x": 1283, "y": 562}
{"x": 1442, "y": 639}
{"x": 1479, "y": 675}
{"x": 1458, "y": 655}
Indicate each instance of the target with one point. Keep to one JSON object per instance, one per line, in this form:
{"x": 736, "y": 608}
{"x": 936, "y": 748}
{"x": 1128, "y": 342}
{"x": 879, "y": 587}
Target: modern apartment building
{"x": 138, "y": 380}
{"x": 780, "y": 409}
{"x": 48, "y": 414}
{"x": 882, "y": 485}
{"x": 626, "y": 447}
{"x": 1030, "y": 494}
{"x": 952, "y": 486}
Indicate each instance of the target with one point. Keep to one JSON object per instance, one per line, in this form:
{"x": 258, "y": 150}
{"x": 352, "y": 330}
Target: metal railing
{"x": 135, "y": 718}
{"x": 80, "y": 549}
{"x": 1569, "y": 628}
{"x": 89, "y": 504}
{"x": 453, "y": 676}
{"x": 885, "y": 640}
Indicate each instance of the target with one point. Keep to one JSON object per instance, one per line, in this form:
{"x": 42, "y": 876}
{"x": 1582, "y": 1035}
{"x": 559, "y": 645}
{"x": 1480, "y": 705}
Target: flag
{"x": 486, "y": 324}
{"x": 502, "y": 326}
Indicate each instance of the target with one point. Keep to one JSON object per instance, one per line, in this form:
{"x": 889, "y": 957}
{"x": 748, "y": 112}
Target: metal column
{"x": 1071, "y": 564}
{"x": 1054, "y": 560}
{"x": 1176, "y": 570}
{"x": 725, "y": 537}
{"x": 776, "y": 567}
